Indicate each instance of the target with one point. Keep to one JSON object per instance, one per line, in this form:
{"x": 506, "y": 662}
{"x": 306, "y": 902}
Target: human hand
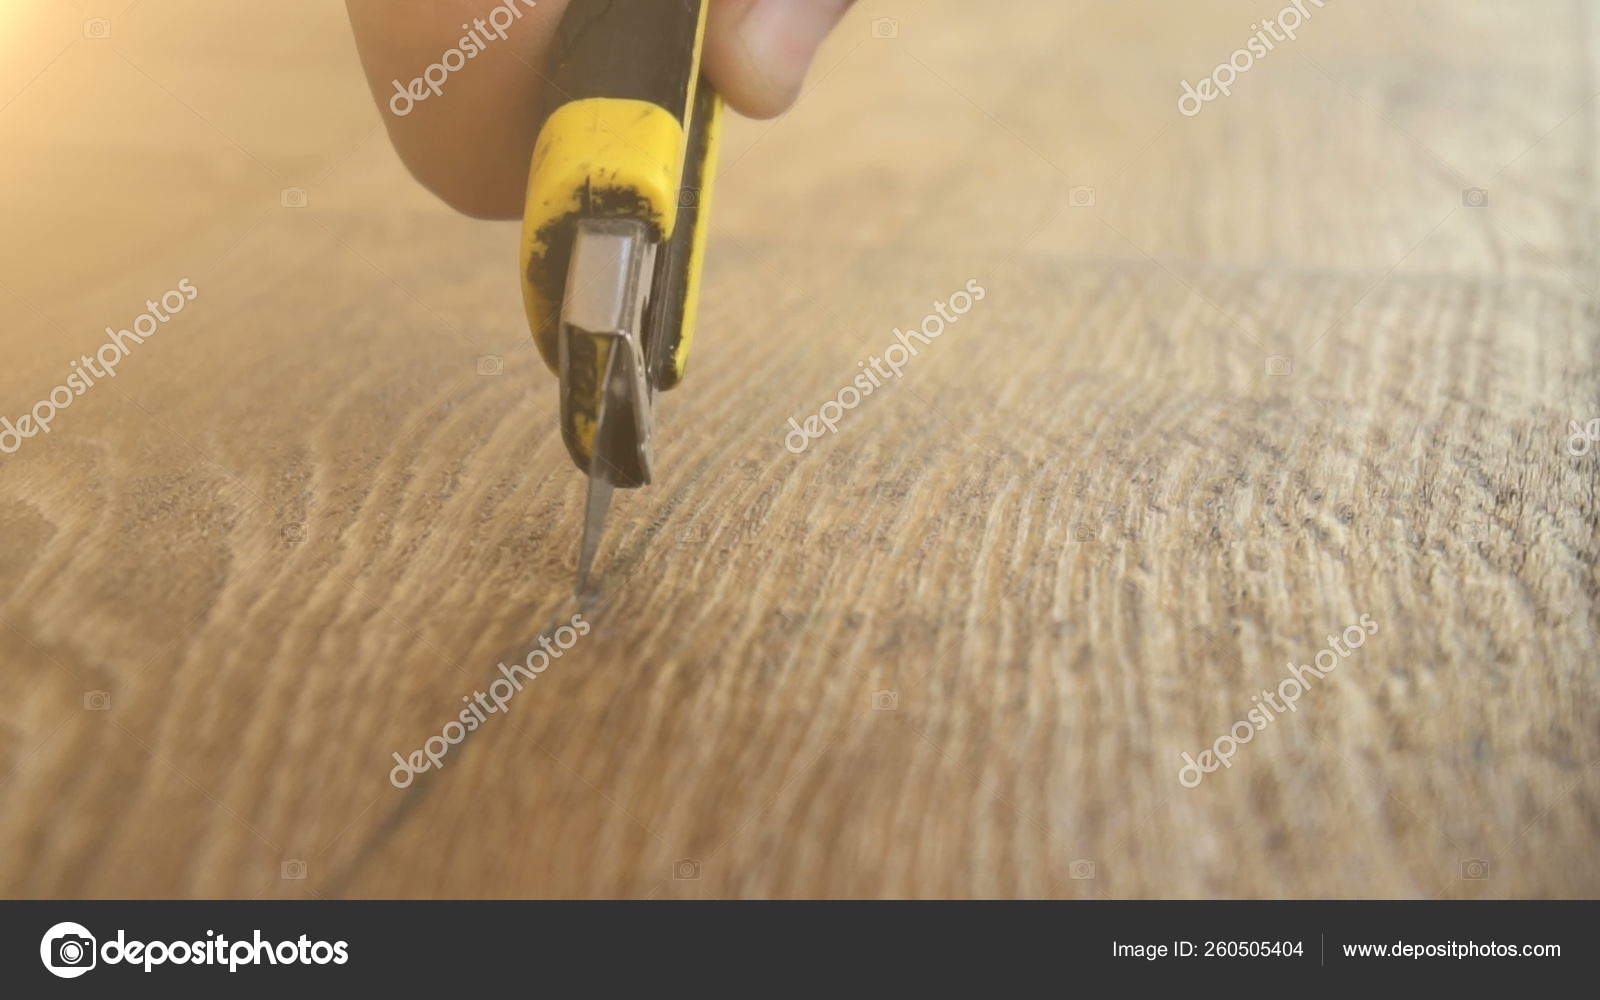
{"x": 471, "y": 144}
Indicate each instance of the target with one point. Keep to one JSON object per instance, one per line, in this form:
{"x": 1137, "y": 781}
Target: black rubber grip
{"x": 632, "y": 49}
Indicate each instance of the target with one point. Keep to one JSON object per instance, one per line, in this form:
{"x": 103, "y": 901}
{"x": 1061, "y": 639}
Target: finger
{"x": 468, "y": 143}
{"x": 469, "y": 139}
{"x": 758, "y": 51}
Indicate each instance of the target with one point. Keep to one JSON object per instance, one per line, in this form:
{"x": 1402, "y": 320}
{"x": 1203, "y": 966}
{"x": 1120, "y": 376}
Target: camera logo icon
{"x": 885, "y": 701}
{"x": 1280, "y": 365}
{"x": 491, "y": 364}
{"x": 689, "y": 197}
{"x": 292, "y": 869}
{"x": 97, "y": 701}
{"x": 1475, "y": 868}
{"x": 97, "y": 27}
{"x": 1474, "y": 198}
{"x": 885, "y": 27}
{"x": 294, "y": 198}
{"x": 1082, "y": 869}
{"x": 687, "y": 870}
{"x": 68, "y": 950}
{"x": 1081, "y": 196}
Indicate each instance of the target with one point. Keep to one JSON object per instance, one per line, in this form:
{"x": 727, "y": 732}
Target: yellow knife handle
{"x": 632, "y": 134}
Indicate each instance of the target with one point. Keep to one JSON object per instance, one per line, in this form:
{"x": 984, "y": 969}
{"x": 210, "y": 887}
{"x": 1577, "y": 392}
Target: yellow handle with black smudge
{"x": 632, "y": 134}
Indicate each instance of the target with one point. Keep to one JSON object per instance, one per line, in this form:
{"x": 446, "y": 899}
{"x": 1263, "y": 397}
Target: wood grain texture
{"x": 1071, "y": 542}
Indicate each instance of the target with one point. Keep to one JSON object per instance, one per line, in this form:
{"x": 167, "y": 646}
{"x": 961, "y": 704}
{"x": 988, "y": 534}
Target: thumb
{"x": 758, "y": 51}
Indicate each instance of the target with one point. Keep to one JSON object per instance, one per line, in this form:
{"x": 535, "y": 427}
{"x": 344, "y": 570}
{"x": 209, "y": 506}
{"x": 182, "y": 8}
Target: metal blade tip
{"x": 594, "y": 520}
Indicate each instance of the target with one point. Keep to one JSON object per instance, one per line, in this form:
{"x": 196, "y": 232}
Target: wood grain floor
{"x": 1237, "y": 380}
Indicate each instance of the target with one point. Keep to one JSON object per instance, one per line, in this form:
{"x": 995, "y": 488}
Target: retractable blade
{"x": 598, "y": 501}
{"x": 605, "y": 395}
